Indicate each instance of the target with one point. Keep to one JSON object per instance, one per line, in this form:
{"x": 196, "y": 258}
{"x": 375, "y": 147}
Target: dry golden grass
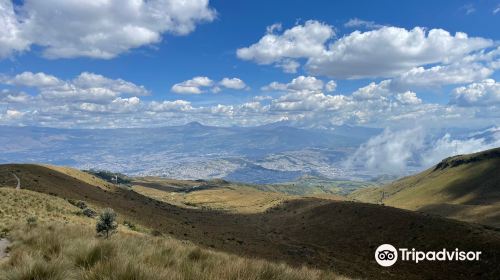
{"x": 80, "y": 175}
{"x": 63, "y": 245}
{"x": 19, "y": 205}
{"x": 73, "y": 252}
{"x": 236, "y": 199}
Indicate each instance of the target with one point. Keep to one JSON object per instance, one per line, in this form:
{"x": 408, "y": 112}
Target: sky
{"x": 135, "y": 63}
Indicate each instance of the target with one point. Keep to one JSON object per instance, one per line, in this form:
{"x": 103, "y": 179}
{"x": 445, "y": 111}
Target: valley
{"x": 321, "y": 231}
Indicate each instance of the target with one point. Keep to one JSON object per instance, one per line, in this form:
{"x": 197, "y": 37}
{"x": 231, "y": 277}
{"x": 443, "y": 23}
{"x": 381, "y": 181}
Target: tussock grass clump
{"x": 74, "y": 252}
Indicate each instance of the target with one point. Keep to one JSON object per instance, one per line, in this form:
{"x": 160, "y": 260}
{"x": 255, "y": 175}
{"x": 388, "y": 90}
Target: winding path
{"x": 18, "y": 181}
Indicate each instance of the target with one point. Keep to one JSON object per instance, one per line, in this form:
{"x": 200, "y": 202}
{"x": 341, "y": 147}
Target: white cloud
{"x": 262, "y": 97}
{"x": 98, "y": 29}
{"x": 484, "y": 93}
{"x": 389, "y": 152}
{"x": 374, "y": 91}
{"x": 392, "y": 152}
{"x": 408, "y": 98}
{"x": 331, "y": 86}
{"x": 91, "y": 80}
{"x": 197, "y": 84}
{"x": 389, "y": 51}
{"x": 233, "y": 83}
{"x": 11, "y": 39}
{"x": 165, "y": 106}
{"x": 299, "y": 83}
{"x": 309, "y": 101}
{"x": 356, "y": 22}
{"x": 447, "y": 146}
{"x": 384, "y": 52}
{"x": 277, "y": 86}
{"x": 87, "y": 87}
{"x": 193, "y": 86}
{"x": 443, "y": 75}
{"x": 30, "y": 79}
{"x": 288, "y": 65}
{"x": 274, "y": 27}
{"x": 305, "y": 83}
{"x": 13, "y": 114}
{"x": 301, "y": 41}
{"x": 303, "y": 101}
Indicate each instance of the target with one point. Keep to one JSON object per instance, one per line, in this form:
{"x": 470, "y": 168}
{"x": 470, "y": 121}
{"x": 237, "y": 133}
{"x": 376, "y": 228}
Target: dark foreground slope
{"x": 331, "y": 235}
{"x": 465, "y": 187}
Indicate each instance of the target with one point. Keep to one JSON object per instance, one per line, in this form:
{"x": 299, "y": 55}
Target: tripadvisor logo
{"x": 387, "y": 255}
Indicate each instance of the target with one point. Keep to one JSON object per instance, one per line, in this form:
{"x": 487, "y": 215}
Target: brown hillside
{"x": 338, "y": 236}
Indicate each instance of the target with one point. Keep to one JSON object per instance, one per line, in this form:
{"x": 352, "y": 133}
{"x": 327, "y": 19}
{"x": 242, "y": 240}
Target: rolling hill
{"x": 464, "y": 187}
{"x": 338, "y": 236}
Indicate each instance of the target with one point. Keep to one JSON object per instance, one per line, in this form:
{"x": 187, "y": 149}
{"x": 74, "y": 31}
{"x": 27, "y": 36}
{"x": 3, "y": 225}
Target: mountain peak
{"x": 194, "y": 124}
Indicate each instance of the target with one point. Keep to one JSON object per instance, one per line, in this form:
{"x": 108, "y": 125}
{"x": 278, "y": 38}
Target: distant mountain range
{"x": 264, "y": 154}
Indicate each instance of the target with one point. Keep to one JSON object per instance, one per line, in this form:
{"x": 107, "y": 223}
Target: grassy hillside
{"x": 465, "y": 187}
{"x": 18, "y": 205}
{"x": 335, "y": 236}
{"x": 213, "y": 194}
{"x": 62, "y": 245}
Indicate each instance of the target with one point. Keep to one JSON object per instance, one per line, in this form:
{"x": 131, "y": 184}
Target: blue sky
{"x": 205, "y": 41}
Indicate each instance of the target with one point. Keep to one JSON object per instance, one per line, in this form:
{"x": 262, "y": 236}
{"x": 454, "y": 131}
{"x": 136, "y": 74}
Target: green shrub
{"x": 89, "y": 212}
{"x": 106, "y": 225}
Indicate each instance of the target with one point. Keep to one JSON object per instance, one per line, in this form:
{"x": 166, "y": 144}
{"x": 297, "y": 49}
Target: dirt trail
{"x": 18, "y": 181}
{"x": 4, "y": 244}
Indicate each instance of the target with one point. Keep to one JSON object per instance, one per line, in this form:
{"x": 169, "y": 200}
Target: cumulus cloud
{"x": 309, "y": 101}
{"x": 443, "y": 75}
{"x": 87, "y": 87}
{"x": 7, "y": 96}
{"x": 201, "y": 84}
{"x": 91, "y": 80}
{"x": 408, "y": 98}
{"x": 233, "y": 83}
{"x": 389, "y": 51}
{"x": 471, "y": 68}
{"x": 168, "y": 106}
{"x": 297, "y": 42}
{"x": 330, "y": 86}
{"x": 484, "y": 93}
{"x": 373, "y": 91}
{"x": 384, "y": 52}
{"x": 92, "y": 100}
{"x": 11, "y": 39}
{"x": 300, "y": 83}
{"x": 30, "y": 79}
{"x": 193, "y": 86}
{"x": 98, "y": 29}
